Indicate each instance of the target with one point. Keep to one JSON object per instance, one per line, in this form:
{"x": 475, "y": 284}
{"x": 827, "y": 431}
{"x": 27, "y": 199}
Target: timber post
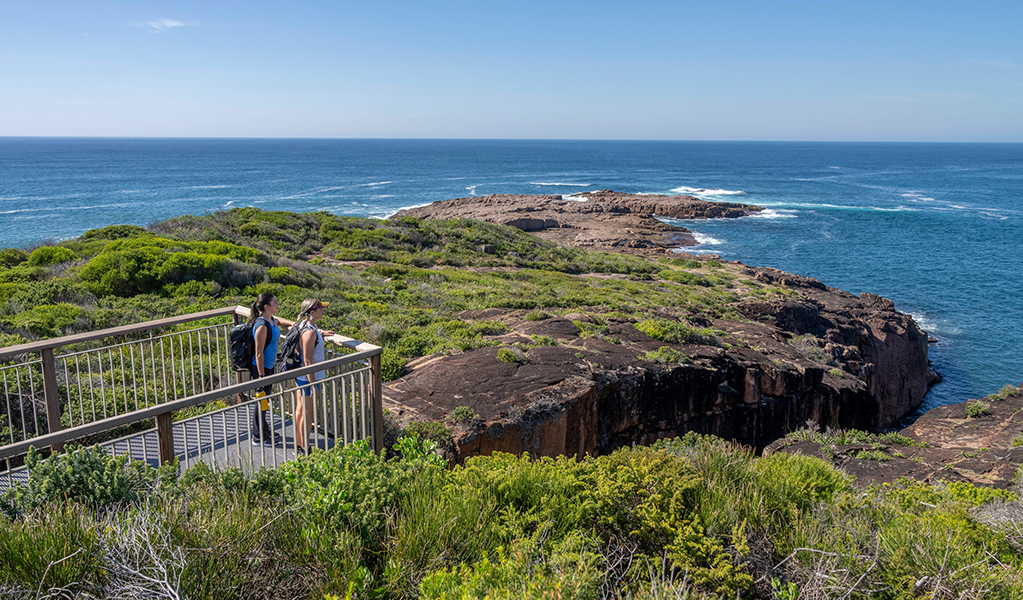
{"x": 51, "y": 395}
{"x": 378, "y": 404}
{"x": 165, "y": 437}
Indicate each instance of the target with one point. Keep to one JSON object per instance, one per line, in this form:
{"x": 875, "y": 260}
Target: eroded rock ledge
{"x": 600, "y": 220}
{"x": 813, "y": 353}
{"x": 978, "y": 441}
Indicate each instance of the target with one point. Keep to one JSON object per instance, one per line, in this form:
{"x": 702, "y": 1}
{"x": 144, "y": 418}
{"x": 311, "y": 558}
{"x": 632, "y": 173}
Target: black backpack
{"x": 290, "y": 353}
{"x": 243, "y": 345}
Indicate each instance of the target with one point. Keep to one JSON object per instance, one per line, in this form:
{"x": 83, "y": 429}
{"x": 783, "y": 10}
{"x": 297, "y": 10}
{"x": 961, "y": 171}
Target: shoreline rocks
{"x": 978, "y": 441}
{"x": 600, "y": 220}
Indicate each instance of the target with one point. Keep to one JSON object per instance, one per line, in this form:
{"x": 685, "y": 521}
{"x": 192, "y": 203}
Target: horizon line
{"x": 483, "y": 139}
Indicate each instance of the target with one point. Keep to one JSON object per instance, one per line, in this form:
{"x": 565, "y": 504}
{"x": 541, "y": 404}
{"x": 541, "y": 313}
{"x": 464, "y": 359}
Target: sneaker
{"x": 300, "y": 451}
{"x": 266, "y": 442}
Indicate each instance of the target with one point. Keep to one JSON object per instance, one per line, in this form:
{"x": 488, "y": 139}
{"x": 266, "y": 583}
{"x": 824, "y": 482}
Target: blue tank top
{"x": 270, "y": 350}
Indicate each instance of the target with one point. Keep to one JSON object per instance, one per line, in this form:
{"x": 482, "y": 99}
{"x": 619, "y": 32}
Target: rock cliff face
{"x": 603, "y": 220}
{"x": 979, "y": 441}
{"x": 820, "y": 354}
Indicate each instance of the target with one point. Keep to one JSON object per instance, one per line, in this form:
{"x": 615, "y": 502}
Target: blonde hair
{"x": 308, "y": 305}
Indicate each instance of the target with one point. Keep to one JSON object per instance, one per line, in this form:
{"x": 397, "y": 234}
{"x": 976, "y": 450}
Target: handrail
{"x": 363, "y": 352}
{"x": 65, "y": 435}
{"x": 122, "y": 330}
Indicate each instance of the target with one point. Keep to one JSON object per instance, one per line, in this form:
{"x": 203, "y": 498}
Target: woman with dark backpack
{"x": 312, "y": 352}
{"x": 266, "y": 332}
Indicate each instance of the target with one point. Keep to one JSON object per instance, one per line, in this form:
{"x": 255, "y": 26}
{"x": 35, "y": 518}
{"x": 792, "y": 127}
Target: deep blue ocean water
{"x": 934, "y": 227}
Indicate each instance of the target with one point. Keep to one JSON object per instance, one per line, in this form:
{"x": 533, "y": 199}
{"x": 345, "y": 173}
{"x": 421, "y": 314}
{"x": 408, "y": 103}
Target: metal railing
{"x": 114, "y": 383}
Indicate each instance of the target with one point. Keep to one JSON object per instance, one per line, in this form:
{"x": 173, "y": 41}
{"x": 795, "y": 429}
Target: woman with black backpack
{"x": 266, "y": 332}
{"x": 312, "y": 352}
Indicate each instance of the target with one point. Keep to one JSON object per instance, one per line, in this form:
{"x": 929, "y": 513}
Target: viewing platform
{"x": 165, "y": 390}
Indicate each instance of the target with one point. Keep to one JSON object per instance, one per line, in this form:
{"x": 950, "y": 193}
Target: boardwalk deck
{"x": 220, "y": 439}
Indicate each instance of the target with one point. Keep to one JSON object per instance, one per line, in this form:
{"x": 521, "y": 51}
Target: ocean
{"x": 934, "y": 227}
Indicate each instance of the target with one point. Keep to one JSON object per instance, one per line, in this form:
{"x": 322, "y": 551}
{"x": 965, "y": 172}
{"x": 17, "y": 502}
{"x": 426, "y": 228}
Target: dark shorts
{"x": 254, "y": 374}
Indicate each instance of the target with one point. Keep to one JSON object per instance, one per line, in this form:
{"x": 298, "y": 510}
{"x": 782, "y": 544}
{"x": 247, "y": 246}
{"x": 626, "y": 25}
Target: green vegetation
{"x": 808, "y": 346}
{"x": 463, "y": 415}
{"x": 507, "y": 355}
{"x": 666, "y": 355}
{"x": 977, "y": 409}
{"x": 692, "y": 517}
{"x": 679, "y": 333}
{"x": 406, "y": 299}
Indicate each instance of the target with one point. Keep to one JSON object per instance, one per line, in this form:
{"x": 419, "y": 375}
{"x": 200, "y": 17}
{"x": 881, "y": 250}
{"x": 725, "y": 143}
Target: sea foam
{"x": 703, "y": 239}
{"x": 558, "y": 183}
{"x": 705, "y": 191}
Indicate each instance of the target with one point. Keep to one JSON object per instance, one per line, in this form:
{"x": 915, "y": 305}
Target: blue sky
{"x": 833, "y": 70}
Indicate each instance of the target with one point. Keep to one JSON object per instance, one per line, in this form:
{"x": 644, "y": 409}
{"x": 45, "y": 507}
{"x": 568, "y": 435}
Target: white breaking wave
{"x": 377, "y": 196}
{"x": 917, "y": 197}
{"x": 208, "y": 187}
{"x": 556, "y": 183}
{"x": 574, "y": 198}
{"x": 472, "y": 192}
{"x": 768, "y": 213}
{"x": 705, "y": 191}
{"x": 373, "y": 184}
{"x": 63, "y": 208}
{"x": 703, "y": 239}
{"x": 394, "y": 212}
{"x": 692, "y": 250}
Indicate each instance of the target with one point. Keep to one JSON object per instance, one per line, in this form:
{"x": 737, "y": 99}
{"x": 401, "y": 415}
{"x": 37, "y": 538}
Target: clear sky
{"x": 715, "y": 70}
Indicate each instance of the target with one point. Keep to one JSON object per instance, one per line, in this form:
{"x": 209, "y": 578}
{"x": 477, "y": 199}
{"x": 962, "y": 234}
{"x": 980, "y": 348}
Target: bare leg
{"x": 301, "y": 428}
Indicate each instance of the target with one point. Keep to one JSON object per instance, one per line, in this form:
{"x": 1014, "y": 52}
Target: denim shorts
{"x": 305, "y": 387}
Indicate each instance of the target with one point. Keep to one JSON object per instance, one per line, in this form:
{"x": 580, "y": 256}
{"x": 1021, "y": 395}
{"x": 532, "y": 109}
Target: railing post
{"x": 165, "y": 437}
{"x": 51, "y": 396}
{"x": 378, "y": 404}
{"x": 239, "y": 376}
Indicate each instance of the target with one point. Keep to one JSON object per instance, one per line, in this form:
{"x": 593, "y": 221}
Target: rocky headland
{"x": 600, "y": 220}
{"x": 979, "y": 441}
{"x": 790, "y": 350}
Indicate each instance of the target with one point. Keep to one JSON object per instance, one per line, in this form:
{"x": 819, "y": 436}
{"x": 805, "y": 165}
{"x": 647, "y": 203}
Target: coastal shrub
{"x": 352, "y": 490}
{"x": 463, "y": 415}
{"x": 648, "y": 498}
{"x": 591, "y": 330}
{"x": 12, "y": 257}
{"x": 57, "y": 290}
{"x": 21, "y": 273}
{"x": 511, "y": 355}
{"x": 665, "y": 355}
{"x": 392, "y": 365}
{"x": 685, "y": 278}
{"x": 873, "y": 455}
{"x": 539, "y": 498}
{"x": 115, "y": 232}
{"x": 977, "y": 409}
{"x": 521, "y": 574}
{"x": 54, "y": 551}
{"x": 542, "y": 340}
{"x": 87, "y": 475}
{"x": 132, "y": 266}
{"x": 49, "y": 320}
{"x": 434, "y": 528}
{"x": 808, "y": 346}
{"x": 894, "y": 437}
{"x": 49, "y": 255}
{"x": 674, "y": 332}
{"x": 434, "y": 431}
